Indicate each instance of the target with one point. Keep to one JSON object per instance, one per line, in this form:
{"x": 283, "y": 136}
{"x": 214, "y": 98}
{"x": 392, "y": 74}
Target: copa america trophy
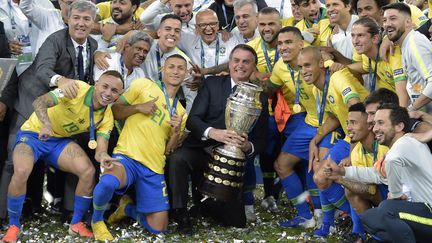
{"x": 223, "y": 179}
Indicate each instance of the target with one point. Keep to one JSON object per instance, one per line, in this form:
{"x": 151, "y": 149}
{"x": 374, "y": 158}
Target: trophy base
{"x": 223, "y": 179}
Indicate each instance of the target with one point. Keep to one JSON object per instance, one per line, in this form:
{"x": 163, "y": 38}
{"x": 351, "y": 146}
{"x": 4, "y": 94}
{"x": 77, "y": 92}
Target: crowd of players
{"x": 128, "y": 98}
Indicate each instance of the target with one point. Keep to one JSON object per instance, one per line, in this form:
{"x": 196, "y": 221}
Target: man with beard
{"x": 152, "y": 15}
{"x": 335, "y": 93}
{"x": 146, "y": 139}
{"x": 122, "y": 13}
{"x": 405, "y": 215}
{"x": 128, "y": 63}
{"x": 245, "y": 15}
{"x": 314, "y": 22}
{"x": 362, "y": 196}
{"x": 300, "y": 98}
{"x": 416, "y": 53}
{"x": 47, "y": 134}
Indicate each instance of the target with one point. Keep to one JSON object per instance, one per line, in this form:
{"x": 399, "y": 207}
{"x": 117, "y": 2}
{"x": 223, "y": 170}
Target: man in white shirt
{"x": 246, "y": 17}
{"x": 128, "y": 63}
{"x": 207, "y": 49}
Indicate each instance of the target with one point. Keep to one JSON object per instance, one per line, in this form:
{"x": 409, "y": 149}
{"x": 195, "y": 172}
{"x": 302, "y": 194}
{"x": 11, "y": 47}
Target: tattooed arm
{"x": 41, "y": 105}
{"x": 362, "y": 189}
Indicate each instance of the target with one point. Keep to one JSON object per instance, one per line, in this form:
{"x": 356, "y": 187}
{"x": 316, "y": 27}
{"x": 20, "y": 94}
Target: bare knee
{"x": 21, "y": 173}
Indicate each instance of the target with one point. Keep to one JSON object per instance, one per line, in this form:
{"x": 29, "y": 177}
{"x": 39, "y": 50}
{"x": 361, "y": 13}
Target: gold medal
{"x": 92, "y": 144}
{"x": 296, "y": 108}
{"x": 320, "y": 130}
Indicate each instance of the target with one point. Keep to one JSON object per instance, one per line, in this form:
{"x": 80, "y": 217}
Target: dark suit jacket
{"x": 208, "y": 110}
{"x": 55, "y": 56}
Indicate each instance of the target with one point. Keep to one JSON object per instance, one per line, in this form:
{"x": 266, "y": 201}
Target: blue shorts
{"x": 332, "y": 138}
{"x": 150, "y": 187}
{"x": 298, "y": 143}
{"x": 293, "y": 122}
{"x": 339, "y": 151}
{"x": 49, "y": 150}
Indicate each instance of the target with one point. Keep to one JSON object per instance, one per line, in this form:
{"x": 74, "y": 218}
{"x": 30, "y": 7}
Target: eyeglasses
{"x": 211, "y": 25}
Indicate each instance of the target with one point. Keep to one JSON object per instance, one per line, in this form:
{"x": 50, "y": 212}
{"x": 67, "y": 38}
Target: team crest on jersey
{"x": 23, "y": 139}
{"x": 388, "y": 74}
{"x": 331, "y": 99}
{"x": 346, "y": 91}
{"x": 222, "y": 50}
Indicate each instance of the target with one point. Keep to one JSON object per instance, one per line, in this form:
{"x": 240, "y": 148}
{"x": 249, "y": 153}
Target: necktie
{"x": 80, "y": 63}
{"x": 233, "y": 89}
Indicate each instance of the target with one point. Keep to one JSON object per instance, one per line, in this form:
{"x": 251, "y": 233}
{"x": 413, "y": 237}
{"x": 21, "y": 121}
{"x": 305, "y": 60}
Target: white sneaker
{"x": 318, "y": 214}
{"x": 250, "y": 213}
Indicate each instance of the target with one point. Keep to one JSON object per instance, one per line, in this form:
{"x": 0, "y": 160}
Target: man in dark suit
{"x": 65, "y": 56}
{"x": 206, "y": 123}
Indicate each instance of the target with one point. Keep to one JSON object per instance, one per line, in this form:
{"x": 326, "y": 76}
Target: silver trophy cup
{"x": 223, "y": 179}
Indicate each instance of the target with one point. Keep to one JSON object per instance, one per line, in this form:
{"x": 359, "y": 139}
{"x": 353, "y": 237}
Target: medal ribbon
{"x": 281, "y": 8}
{"x": 372, "y": 76}
{"x": 158, "y": 59}
{"x": 296, "y": 84}
{"x": 92, "y": 125}
{"x": 216, "y": 53}
{"x": 171, "y": 110}
{"x": 226, "y": 19}
{"x": 267, "y": 58}
{"x": 375, "y": 150}
{"x": 321, "y": 106}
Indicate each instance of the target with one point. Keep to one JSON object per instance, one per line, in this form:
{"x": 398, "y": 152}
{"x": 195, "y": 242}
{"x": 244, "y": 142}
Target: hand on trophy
{"x": 229, "y": 137}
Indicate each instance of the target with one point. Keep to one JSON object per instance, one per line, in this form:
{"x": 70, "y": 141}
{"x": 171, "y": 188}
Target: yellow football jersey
{"x": 144, "y": 137}
{"x": 417, "y": 16}
{"x": 324, "y": 27}
{"x": 388, "y": 73}
{"x": 256, "y": 44}
{"x": 430, "y": 8}
{"x": 288, "y": 22}
{"x": 362, "y": 158}
{"x": 343, "y": 87}
{"x": 104, "y": 10}
{"x": 281, "y": 77}
{"x": 72, "y": 116}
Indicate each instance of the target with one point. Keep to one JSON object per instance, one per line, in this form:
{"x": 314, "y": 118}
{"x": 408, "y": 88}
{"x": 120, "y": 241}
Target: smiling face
{"x": 289, "y": 46}
{"x": 384, "y": 129}
{"x": 121, "y": 10}
{"x": 207, "y": 26}
{"x": 363, "y": 41}
{"x": 337, "y": 11}
{"x": 136, "y": 53}
{"x": 246, "y": 19}
{"x": 371, "y": 110}
{"x": 395, "y": 24}
{"x": 169, "y": 33}
{"x": 80, "y": 24}
{"x": 174, "y": 71}
{"x": 183, "y": 9}
{"x": 310, "y": 10}
{"x": 357, "y": 126}
{"x": 369, "y": 8}
{"x": 269, "y": 26}
{"x": 107, "y": 90}
{"x": 310, "y": 67}
{"x": 241, "y": 65}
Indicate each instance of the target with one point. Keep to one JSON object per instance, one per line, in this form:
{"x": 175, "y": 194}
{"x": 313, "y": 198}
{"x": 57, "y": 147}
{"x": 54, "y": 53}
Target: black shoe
{"x": 184, "y": 225}
{"x": 351, "y": 237}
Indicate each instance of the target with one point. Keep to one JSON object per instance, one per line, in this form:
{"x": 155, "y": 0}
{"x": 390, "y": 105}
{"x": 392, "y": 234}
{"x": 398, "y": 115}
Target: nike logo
{"x": 70, "y": 109}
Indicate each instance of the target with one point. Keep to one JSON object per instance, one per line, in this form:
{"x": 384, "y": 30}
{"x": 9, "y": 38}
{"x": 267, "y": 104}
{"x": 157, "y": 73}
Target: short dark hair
{"x": 115, "y": 74}
{"x": 170, "y": 16}
{"x": 292, "y": 29}
{"x": 398, "y": 114}
{"x": 381, "y": 96}
{"x": 358, "y": 107}
{"x": 136, "y": 3}
{"x": 269, "y": 10}
{"x": 372, "y": 26}
{"x": 246, "y": 48}
{"x": 298, "y": 2}
{"x": 401, "y": 7}
{"x": 177, "y": 56}
{"x": 379, "y": 3}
